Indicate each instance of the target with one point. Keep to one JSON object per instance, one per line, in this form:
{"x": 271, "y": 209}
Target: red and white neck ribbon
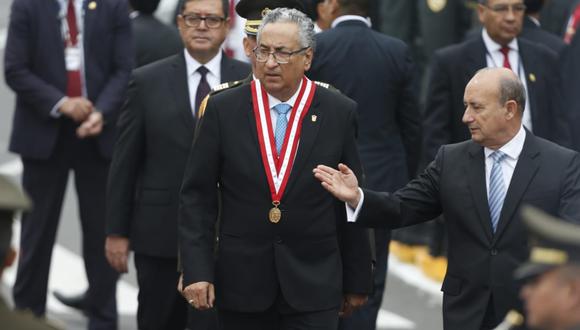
{"x": 278, "y": 167}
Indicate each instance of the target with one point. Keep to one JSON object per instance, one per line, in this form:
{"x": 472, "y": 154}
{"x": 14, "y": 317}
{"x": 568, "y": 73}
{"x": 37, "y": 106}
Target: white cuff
{"x": 352, "y": 214}
{"x": 54, "y": 113}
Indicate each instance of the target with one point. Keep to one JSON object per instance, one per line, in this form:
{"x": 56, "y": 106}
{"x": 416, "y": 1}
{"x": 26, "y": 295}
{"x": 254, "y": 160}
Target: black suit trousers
{"x": 280, "y": 316}
{"x": 45, "y": 181}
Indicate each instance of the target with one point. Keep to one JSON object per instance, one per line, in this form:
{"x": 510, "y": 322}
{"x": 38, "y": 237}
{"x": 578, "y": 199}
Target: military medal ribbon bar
{"x": 278, "y": 167}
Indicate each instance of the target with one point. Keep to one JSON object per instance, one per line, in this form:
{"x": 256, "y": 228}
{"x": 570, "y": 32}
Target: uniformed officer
{"x": 552, "y": 275}
{"x": 12, "y": 199}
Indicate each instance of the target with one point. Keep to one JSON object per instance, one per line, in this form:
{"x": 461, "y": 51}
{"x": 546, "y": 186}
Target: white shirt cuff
{"x": 352, "y": 214}
{"x": 54, "y": 113}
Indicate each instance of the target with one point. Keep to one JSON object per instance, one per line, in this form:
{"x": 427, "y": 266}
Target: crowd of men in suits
{"x": 234, "y": 231}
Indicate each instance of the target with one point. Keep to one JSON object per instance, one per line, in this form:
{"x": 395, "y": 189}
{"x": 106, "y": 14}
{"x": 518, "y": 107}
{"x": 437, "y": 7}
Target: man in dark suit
{"x": 69, "y": 64}
{"x": 154, "y": 40}
{"x": 570, "y": 69}
{"x": 156, "y": 130}
{"x": 286, "y": 256}
{"x": 380, "y": 79}
{"x": 497, "y": 46}
{"x": 478, "y": 185}
{"x": 532, "y": 30}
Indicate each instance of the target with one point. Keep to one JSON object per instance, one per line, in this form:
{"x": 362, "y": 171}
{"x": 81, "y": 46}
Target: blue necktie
{"x": 281, "y": 124}
{"x": 497, "y": 189}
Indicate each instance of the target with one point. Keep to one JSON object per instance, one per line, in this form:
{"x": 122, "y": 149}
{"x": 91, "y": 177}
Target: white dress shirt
{"x": 494, "y": 58}
{"x": 343, "y": 18}
{"x": 193, "y": 77}
{"x": 512, "y": 149}
{"x": 79, "y": 14}
{"x": 272, "y": 102}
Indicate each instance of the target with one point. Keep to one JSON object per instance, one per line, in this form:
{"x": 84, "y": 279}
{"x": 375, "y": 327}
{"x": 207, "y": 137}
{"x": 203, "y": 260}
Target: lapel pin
{"x": 313, "y": 118}
{"x": 532, "y": 77}
{"x": 92, "y": 5}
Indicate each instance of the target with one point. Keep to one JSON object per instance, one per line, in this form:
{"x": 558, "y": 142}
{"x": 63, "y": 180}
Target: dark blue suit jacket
{"x": 376, "y": 71}
{"x": 35, "y": 69}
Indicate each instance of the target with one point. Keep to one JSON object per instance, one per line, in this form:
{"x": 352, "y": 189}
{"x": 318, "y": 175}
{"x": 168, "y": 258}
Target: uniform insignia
{"x": 532, "y": 77}
{"x": 217, "y": 89}
{"x": 313, "y": 118}
{"x": 436, "y": 5}
{"x": 92, "y": 5}
{"x": 327, "y": 86}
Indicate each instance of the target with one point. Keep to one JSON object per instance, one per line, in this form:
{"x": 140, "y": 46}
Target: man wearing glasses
{"x": 498, "y": 45}
{"x": 156, "y": 129}
{"x": 287, "y": 259}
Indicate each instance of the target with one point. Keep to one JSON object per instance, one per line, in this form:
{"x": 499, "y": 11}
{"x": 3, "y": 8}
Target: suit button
{"x": 493, "y": 252}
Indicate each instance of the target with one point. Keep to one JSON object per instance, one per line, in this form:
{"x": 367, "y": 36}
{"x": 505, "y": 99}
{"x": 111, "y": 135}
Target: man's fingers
{"x": 211, "y": 296}
{"x": 344, "y": 169}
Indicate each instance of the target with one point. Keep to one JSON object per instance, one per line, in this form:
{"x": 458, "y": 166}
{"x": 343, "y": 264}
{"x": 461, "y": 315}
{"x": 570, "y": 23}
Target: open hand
{"x": 341, "y": 183}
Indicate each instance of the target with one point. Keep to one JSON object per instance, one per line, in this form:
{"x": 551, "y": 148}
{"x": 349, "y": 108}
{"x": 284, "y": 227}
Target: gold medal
{"x": 275, "y": 214}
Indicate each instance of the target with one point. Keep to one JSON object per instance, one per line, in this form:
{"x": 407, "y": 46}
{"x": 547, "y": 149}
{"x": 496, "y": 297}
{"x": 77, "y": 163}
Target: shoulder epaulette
{"x": 217, "y": 89}
{"x": 327, "y": 86}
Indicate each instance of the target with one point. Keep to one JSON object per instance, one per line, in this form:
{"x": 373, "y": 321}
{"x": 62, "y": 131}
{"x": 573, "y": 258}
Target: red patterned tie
{"x": 506, "y": 61}
{"x": 573, "y": 23}
{"x": 73, "y": 87}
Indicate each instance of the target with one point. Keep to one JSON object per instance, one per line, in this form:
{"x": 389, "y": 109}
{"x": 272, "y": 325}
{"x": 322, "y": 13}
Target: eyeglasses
{"x": 280, "y": 56}
{"x": 503, "y": 9}
{"x": 212, "y": 22}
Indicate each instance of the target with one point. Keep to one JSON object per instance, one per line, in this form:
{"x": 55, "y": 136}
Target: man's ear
{"x": 511, "y": 109}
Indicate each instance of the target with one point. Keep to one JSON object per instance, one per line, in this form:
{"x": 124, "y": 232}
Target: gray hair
{"x": 512, "y": 89}
{"x": 286, "y": 15}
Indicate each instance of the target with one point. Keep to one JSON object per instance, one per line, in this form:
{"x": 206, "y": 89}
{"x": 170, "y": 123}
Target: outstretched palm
{"x": 341, "y": 183}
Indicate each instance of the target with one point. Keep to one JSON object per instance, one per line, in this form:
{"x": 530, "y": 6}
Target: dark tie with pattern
{"x": 203, "y": 87}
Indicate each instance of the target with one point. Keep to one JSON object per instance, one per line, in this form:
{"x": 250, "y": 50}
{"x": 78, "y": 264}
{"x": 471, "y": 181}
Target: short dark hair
{"x": 354, "y": 7}
{"x": 147, "y": 7}
{"x": 511, "y": 88}
{"x": 225, "y": 6}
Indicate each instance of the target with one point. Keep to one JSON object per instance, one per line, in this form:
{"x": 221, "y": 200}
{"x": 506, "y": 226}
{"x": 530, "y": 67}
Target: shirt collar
{"x": 534, "y": 20}
{"x": 272, "y": 101}
{"x": 213, "y": 65}
{"x": 513, "y": 148}
{"x": 343, "y": 18}
{"x": 493, "y": 46}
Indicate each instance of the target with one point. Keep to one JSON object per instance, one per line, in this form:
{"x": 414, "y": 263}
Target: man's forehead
{"x": 278, "y": 35}
{"x": 504, "y": 2}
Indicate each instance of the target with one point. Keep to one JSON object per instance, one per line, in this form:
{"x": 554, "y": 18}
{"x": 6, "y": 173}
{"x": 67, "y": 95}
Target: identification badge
{"x": 72, "y": 56}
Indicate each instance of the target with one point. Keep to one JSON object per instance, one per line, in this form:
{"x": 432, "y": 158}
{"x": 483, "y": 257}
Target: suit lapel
{"x": 227, "y": 70}
{"x": 179, "y": 87}
{"x": 524, "y": 172}
{"x": 476, "y": 60}
{"x": 476, "y": 178}
{"x": 307, "y": 138}
{"x": 89, "y": 19}
{"x": 529, "y": 70}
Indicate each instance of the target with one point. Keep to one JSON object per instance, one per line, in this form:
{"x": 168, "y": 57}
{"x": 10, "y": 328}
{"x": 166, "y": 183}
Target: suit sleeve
{"x": 409, "y": 116}
{"x": 419, "y": 201}
{"x": 353, "y": 240}
{"x": 198, "y": 206}
{"x": 128, "y": 157}
{"x": 18, "y": 56}
{"x": 559, "y": 113}
{"x": 112, "y": 95}
{"x": 569, "y": 208}
{"x": 438, "y": 107}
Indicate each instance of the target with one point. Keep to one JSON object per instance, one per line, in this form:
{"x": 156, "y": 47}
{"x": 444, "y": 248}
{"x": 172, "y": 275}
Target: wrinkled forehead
{"x": 279, "y": 35}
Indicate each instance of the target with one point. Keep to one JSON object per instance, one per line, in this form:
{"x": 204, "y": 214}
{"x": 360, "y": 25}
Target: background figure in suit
{"x": 286, "y": 256}
{"x": 156, "y": 130}
{"x": 478, "y": 185}
{"x": 154, "y": 40}
{"x": 551, "y": 276}
{"x": 570, "y": 69}
{"x": 533, "y": 31}
{"x": 380, "y": 79}
{"x": 452, "y": 67}
{"x": 69, "y": 63}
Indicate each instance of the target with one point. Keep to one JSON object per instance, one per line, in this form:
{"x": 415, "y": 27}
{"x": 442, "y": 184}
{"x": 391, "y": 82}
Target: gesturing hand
{"x": 200, "y": 295}
{"x": 341, "y": 183}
